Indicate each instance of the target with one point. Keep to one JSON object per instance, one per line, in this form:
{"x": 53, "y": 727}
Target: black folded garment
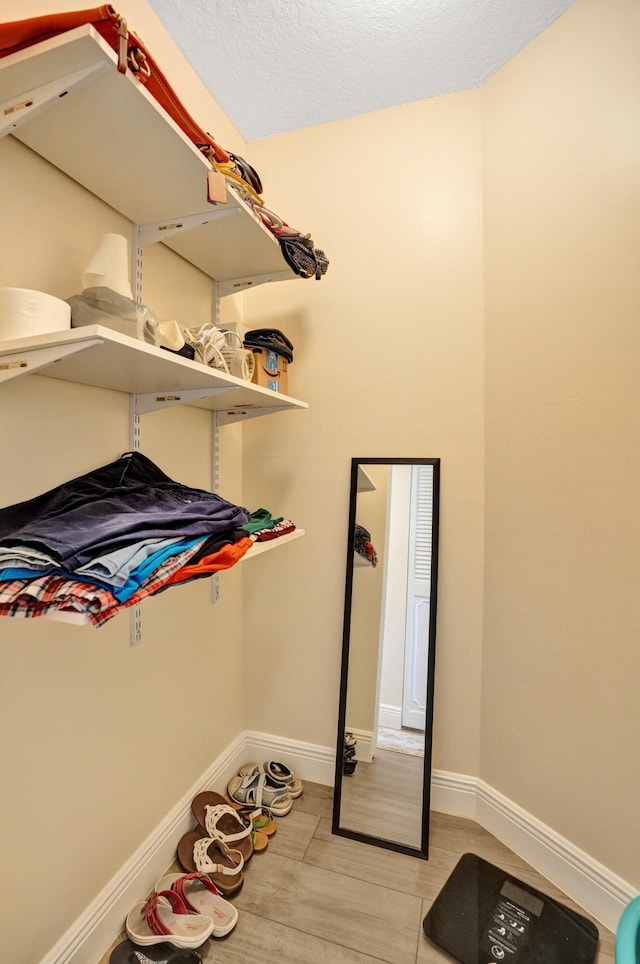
{"x": 270, "y": 338}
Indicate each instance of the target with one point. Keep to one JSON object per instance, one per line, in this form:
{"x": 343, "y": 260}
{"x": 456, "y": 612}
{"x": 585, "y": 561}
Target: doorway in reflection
{"x": 383, "y": 769}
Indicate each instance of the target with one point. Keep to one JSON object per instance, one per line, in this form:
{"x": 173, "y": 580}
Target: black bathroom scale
{"x": 482, "y": 915}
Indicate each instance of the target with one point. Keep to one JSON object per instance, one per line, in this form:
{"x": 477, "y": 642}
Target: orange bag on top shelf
{"x": 131, "y": 52}
{"x": 298, "y": 250}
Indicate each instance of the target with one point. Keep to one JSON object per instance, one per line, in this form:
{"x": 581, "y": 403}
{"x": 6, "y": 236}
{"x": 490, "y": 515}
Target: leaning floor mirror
{"x": 385, "y": 720}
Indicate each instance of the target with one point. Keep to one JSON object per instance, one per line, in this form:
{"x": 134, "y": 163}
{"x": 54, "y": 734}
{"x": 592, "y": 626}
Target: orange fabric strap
{"x": 131, "y": 52}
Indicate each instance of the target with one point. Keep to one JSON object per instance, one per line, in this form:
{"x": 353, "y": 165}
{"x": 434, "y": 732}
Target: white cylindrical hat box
{"x": 24, "y": 312}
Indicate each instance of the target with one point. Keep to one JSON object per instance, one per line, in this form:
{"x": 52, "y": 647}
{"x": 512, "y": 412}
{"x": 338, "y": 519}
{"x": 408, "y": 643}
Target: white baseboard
{"x": 96, "y": 929}
{"x": 364, "y": 741}
{"x": 587, "y": 882}
{"x": 309, "y": 761}
{"x": 390, "y": 716}
{"x": 453, "y": 793}
{"x": 590, "y": 884}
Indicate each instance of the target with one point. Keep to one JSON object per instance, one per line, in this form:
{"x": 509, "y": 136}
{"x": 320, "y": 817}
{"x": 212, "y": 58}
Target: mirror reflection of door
{"x": 382, "y": 777}
{"x": 404, "y": 639}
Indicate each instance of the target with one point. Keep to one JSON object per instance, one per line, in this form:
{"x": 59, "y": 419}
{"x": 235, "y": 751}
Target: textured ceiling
{"x": 279, "y": 65}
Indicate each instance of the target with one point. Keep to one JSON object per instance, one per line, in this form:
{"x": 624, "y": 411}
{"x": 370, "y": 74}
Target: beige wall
{"x": 561, "y": 660}
{"x": 389, "y": 352}
{"x": 390, "y": 355}
{"x": 100, "y": 739}
{"x": 104, "y": 737}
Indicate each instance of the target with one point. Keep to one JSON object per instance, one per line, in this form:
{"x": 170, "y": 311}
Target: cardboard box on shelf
{"x": 271, "y": 371}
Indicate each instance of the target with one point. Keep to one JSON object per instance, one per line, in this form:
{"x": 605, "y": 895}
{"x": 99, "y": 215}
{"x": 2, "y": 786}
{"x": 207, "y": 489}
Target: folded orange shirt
{"x": 224, "y": 558}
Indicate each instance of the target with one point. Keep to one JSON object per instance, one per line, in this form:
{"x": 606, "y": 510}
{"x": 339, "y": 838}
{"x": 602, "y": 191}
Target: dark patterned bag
{"x": 303, "y": 258}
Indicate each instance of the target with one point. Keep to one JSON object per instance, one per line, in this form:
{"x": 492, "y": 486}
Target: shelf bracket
{"x": 252, "y": 281}
{"x": 152, "y": 401}
{"x": 233, "y": 416}
{"x": 160, "y": 230}
{"x": 33, "y": 359}
{"x": 135, "y": 625}
{"x": 142, "y": 402}
{"x": 23, "y": 108}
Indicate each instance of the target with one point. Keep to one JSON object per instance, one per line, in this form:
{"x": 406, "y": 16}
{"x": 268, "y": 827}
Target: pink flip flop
{"x": 164, "y": 917}
{"x": 200, "y": 895}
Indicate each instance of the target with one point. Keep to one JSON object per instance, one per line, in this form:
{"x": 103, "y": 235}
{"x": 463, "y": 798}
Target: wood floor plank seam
{"x": 311, "y": 838}
{"x": 309, "y": 874}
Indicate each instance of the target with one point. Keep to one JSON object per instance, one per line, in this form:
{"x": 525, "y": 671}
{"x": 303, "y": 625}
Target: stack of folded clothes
{"x": 110, "y": 538}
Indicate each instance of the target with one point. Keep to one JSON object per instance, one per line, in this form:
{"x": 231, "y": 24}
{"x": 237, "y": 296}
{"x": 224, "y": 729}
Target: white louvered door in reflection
{"x": 416, "y": 660}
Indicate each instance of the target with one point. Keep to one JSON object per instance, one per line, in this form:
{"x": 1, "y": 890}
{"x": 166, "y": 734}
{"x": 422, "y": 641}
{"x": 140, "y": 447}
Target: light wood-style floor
{"x": 364, "y": 804}
{"x": 314, "y": 897}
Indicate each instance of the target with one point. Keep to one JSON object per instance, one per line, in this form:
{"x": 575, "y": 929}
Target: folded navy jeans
{"x": 103, "y": 510}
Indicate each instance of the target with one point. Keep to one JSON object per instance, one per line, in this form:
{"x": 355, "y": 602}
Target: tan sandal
{"x": 258, "y": 790}
{"x": 278, "y": 772}
{"x": 221, "y": 822}
{"x": 198, "y": 853}
{"x": 262, "y": 822}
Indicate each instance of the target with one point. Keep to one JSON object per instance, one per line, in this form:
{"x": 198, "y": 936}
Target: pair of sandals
{"x": 184, "y": 910}
{"x": 271, "y": 787}
{"x": 224, "y": 840}
{"x": 349, "y": 762}
{"x": 222, "y": 843}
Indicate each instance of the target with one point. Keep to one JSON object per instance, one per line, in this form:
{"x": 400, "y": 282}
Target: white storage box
{"x": 24, "y": 312}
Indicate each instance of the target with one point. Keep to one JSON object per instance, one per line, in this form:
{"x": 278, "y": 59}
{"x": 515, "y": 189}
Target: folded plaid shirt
{"x": 30, "y": 598}
{"x": 36, "y": 597}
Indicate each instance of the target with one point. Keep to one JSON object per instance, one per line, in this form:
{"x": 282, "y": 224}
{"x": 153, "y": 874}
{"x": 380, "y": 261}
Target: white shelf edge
{"x": 121, "y": 363}
{"x": 238, "y": 257}
{"x": 72, "y": 82}
{"x": 257, "y": 549}
{"x": 359, "y": 561}
{"x": 365, "y": 482}
{"x": 67, "y": 617}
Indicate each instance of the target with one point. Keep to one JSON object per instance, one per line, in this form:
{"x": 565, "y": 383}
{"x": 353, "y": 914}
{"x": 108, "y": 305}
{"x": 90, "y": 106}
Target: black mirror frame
{"x": 423, "y": 851}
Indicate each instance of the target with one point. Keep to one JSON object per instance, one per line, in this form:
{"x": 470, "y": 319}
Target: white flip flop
{"x": 201, "y": 896}
{"x": 164, "y": 917}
